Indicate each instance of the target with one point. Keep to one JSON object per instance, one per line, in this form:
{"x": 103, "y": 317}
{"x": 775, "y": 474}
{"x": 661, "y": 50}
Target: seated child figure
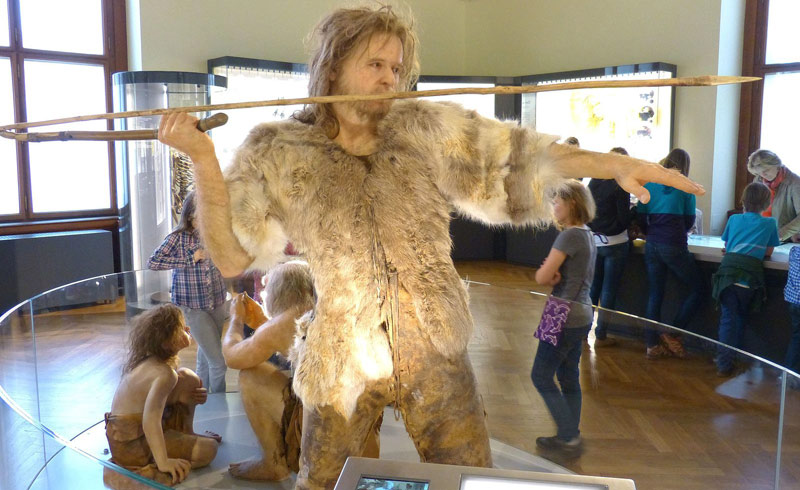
{"x": 272, "y": 408}
{"x": 150, "y": 426}
{"x": 266, "y": 390}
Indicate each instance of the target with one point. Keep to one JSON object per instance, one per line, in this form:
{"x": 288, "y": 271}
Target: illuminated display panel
{"x": 377, "y": 474}
{"x": 378, "y": 483}
{"x": 637, "y": 119}
{"x": 474, "y": 482}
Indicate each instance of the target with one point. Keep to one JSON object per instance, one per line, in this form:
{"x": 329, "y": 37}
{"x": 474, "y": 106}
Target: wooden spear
{"x": 701, "y": 81}
{"x": 205, "y": 124}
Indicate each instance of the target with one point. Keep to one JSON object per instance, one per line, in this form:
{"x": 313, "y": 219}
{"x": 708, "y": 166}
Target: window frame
{"x": 113, "y": 59}
{"x": 754, "y": 53}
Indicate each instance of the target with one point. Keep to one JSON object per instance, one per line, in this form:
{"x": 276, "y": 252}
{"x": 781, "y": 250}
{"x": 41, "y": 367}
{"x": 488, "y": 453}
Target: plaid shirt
{"x": 196, "y": 285}
{"x": 792, "y": 291}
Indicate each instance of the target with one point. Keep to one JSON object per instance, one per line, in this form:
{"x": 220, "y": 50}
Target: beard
{"x": 367, "y": 110}
{"x": 372, "y": 110}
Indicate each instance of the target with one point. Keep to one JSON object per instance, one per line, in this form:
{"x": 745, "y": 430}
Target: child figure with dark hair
{"x": 150, "y": 426}
{"x": 199, "y": 290}
{"x": 739, "y": 282}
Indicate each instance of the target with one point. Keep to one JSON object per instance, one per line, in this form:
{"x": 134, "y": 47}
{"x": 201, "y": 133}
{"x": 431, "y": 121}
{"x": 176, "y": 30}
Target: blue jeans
{"x": 659, "y": 259}
{"x": 206, "y": 327}
{"x": 562, "y": 361}
{"x": 608, "y": 269}
{"x": 793, "y": 352}
{"x": 735, "y": 305}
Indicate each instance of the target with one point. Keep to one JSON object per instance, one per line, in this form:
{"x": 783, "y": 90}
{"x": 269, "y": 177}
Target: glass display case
{"x": 499, "y": 106}
{"x": 637, "y": 119}
{"x": 666, "y": 424}
{"x": 152, "y": 179}
{"x": 248, "y": 80}
{"x": 485, "y": 106}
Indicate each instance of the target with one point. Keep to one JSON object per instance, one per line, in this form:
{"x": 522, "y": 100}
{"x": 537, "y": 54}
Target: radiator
{"x": 32, "y": 264}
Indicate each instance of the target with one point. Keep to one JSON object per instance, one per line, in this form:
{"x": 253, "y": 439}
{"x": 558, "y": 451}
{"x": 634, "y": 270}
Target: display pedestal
{"x": 224, "y": 414}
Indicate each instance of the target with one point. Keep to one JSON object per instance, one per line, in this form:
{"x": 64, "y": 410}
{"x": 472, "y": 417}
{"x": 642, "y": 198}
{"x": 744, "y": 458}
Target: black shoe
{"x": 554, "y": 443}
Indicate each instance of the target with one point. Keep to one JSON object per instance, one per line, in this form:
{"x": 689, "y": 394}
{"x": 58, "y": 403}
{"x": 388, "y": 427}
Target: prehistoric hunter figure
{"x": 364, "y": 191}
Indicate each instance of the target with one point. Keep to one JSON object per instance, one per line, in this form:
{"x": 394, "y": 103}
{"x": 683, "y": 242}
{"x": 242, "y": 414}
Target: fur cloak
{"x": 289, "y": 181}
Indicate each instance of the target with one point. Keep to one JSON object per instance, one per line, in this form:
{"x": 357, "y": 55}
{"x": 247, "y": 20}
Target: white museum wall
{"x": 494, "y": 37}
{"x": 180, "y": 35}
{"x": 727, "y": 114}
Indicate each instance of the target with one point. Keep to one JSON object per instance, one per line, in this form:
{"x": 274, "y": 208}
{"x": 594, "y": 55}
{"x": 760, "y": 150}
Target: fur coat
{"x": 288, "y": 181}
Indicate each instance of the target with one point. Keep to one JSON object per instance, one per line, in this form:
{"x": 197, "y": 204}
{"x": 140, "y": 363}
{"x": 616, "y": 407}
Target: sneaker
{"x": 606, "y": 342}
{"x": 553, "y": 443}
{"x": 673, "y": 344}
{"x": 657, "y": 352}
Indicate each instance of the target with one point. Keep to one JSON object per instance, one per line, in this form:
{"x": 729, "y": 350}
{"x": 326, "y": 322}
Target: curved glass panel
{"x": 667, "y": 422}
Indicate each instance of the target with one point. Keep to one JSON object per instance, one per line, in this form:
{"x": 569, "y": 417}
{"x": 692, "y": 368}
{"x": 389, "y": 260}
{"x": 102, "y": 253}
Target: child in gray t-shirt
{"x": 577, "y": 271}
{"x": 569, "y": 268}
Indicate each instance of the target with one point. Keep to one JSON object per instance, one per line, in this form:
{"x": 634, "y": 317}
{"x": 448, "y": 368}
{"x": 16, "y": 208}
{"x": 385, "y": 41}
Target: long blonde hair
{"x": 336, "y": 37}
{"x": 289, "y": 285}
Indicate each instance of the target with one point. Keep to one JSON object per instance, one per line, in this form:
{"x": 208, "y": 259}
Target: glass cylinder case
{"x": 153, "y": 179}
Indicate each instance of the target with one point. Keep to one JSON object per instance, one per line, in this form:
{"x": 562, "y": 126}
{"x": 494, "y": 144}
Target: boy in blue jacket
{"x": 739, "y": 282}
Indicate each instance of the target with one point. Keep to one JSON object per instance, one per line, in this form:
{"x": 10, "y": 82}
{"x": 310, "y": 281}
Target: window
{"x": 56, "y": 60}
{"x": 768, "y": 107}
{"x": 783, "y": 38}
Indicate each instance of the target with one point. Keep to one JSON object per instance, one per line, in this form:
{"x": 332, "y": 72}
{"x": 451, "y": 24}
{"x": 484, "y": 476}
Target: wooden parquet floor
{"x": 667, "y": 424}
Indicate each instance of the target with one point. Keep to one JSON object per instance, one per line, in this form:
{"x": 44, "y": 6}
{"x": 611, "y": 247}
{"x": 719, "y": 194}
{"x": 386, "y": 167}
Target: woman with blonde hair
{"x": 784, "y": 187}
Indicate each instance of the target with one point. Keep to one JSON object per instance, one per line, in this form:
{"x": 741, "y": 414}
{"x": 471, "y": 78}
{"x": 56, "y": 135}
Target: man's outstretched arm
{"x": 502, "y": 173}
{"x": 178, "y": 130}
{"x": 630, "y": 173}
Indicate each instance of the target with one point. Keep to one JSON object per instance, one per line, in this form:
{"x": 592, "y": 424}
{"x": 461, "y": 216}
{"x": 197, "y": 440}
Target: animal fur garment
{"x": 290, "y": 181}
